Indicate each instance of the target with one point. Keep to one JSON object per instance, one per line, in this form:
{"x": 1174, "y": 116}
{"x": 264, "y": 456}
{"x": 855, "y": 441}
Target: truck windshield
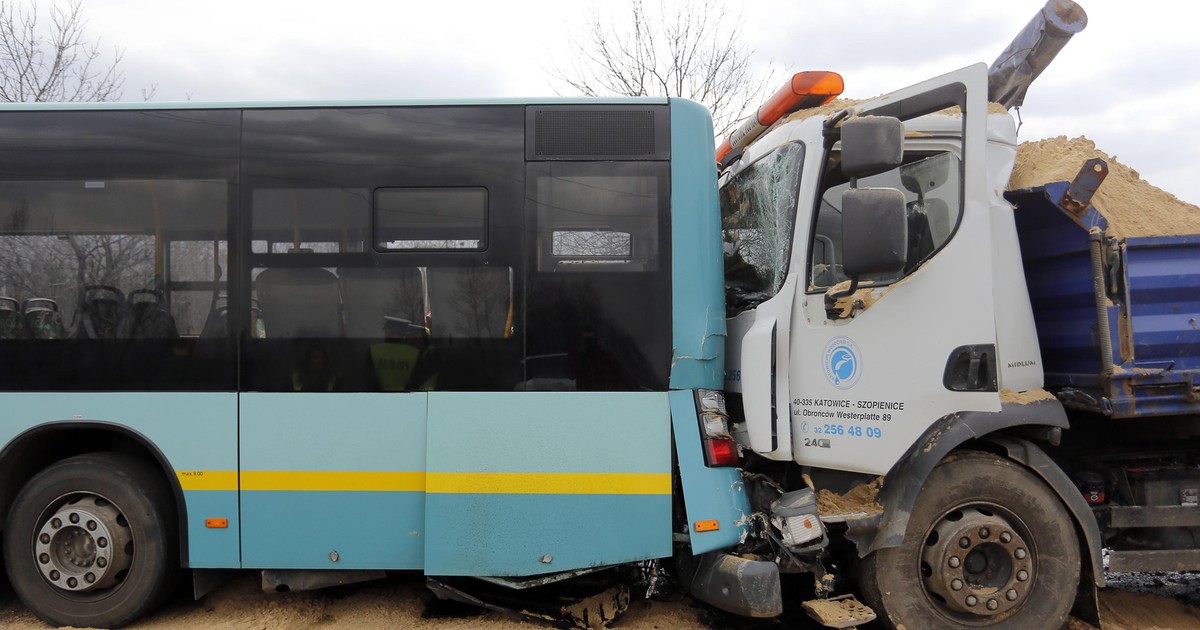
{"x": 758, "y": 208}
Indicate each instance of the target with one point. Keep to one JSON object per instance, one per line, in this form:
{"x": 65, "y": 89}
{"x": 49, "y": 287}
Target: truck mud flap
{"x": 749, "y": 588}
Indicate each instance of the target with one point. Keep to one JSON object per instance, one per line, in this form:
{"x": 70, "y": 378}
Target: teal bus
{"x": 329, "y": 340}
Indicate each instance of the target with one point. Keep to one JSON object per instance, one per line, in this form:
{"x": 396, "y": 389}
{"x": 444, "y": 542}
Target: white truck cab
{"x": 851, "y": 380}
{"x": 879, "y": 325}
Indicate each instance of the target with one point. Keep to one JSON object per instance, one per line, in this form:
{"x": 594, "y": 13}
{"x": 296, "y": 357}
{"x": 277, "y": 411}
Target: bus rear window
{"x": 601, "y": 216}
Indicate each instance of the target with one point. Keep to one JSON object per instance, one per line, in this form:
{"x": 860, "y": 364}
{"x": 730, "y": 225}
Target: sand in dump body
{"x": 860, "y": 499}
{"x": 1132, "y": 206}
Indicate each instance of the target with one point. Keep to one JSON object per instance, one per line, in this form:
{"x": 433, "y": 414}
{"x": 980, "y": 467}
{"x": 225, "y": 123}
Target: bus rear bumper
{"x": 744, "y": 587}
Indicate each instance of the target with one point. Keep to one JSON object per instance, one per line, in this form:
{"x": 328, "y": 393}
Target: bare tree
{"x": 53, "y": 62}
{"x": 690, "y": 49}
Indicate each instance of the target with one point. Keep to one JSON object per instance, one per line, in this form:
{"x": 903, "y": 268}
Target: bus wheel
{"x": 90, "y": 541}
{"x": 988, "y": 545}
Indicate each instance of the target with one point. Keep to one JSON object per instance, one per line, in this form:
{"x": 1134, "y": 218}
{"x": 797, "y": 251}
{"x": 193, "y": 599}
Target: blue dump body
{"x": 1152, "y": 299}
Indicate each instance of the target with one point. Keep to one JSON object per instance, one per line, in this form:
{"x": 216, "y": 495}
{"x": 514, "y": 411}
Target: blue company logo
{"x": 843, "y": 362}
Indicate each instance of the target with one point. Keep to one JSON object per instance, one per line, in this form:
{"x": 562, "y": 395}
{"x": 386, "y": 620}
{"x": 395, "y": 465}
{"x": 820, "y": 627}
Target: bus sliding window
{"x": 409, "y": 219}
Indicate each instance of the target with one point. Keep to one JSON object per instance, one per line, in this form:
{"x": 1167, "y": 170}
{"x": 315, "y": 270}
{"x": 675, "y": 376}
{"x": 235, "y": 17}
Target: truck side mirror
{"x": 871, "y": 144}
{"x": 874, "y": 238}
{"x": 874, "y": 231}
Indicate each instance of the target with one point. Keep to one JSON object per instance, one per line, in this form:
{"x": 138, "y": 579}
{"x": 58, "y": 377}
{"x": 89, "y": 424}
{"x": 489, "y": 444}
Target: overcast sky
{"x": 1129, "y": 81}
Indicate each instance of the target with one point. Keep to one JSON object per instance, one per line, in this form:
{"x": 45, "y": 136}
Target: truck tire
{"x": 988, "y": 545}
{"x": 90, "y": 541}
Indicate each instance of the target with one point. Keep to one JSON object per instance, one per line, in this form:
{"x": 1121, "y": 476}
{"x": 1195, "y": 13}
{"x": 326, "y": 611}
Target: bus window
{"x": 430, "y": 218}
{"x": 597, "y": 219}
{"x": 93, "y": 265}
{"x": 369, "y": 229}
{"x": 321, "y": 220}
{"x": 599, "y": 299}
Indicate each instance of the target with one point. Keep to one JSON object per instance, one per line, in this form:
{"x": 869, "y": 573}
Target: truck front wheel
{"x": 988, "y": 545}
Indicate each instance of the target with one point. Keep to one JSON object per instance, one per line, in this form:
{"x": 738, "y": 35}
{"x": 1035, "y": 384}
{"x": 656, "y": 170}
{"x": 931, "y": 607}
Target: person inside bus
{"x": 404, "y": 361}
{"x": 315, "y": 373}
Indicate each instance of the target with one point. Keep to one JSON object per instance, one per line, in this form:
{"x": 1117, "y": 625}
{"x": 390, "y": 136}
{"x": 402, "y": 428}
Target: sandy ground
{"x": 404, "y": 603}
{"x": 394, "y": 603}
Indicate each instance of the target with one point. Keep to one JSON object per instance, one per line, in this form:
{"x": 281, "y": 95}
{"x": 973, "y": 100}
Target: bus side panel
{"x": 195, "y": 432}
{"x": 709, "y": 494}
{"x": 526, "y": 483}
{"x": 333, "y": 480}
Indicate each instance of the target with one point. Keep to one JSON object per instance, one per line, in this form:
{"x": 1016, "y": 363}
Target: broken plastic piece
{"x": 839, "y": 612}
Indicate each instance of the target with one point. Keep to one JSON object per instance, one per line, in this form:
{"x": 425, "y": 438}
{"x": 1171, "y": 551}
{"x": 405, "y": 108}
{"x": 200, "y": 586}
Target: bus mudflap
{"x": 738, "y": 585}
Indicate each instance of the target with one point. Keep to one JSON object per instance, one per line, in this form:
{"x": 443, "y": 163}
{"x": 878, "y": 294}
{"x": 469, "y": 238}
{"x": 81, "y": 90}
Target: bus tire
{"x": 90, "y": 541}
{"x": 988, "y": 545}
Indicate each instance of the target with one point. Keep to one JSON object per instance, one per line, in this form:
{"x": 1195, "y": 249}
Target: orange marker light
{"x": 804, "y": 91}
{"x": 216, "y": 523}
{"x": 708, "y": 526}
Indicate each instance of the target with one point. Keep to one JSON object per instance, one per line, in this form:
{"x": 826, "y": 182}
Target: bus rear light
{"x": 721, "y": 452}
{"x": 719, "y": 447}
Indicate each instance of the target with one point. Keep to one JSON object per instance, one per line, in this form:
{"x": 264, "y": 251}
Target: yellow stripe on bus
{"x": 437, "y": 482}
{"x": 549, "y": 483}
{"x": 312, "y": 480}
{"x": 207, "y": 479}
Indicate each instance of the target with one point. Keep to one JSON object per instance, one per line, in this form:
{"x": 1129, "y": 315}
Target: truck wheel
{"x": 988, "y": 545}
{"x": 90, "y": 541}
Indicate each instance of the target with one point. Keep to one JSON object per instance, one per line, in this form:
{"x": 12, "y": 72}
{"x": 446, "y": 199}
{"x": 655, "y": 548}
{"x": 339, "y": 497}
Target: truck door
{"x": 871, "y": 371}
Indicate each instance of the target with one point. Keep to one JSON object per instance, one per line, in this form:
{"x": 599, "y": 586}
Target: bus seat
{"x": 299, "y": 302}
{"x": 216, "y": 325}
{"x": 147, "y": 317}
{"x": 101, "y": 311}
{"x": 43, "y": 319}
{"x": 470, "y": 302}
{"x": 12, "y": 325}
{"x": 370, "y": 294}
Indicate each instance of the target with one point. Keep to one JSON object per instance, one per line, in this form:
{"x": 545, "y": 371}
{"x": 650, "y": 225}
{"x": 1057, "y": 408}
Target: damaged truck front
{"x": 884, "y": 377}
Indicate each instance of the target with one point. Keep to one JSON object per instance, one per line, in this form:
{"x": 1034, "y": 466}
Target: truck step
{"x": 1154, "y": 516}
{"x": 843, "y": 611}
{"x": 1156, "y": 560}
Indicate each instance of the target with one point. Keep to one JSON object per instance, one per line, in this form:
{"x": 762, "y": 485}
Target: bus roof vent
{"x": 598, "y": 133}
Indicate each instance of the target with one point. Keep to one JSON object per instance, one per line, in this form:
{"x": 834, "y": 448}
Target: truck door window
{"x": 931, "y": 185}
{"x": 758, "y": 208}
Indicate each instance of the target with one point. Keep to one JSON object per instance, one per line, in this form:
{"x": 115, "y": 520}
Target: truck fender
{"x": 903, "y": 482}
{"x": 1035, "y": 459}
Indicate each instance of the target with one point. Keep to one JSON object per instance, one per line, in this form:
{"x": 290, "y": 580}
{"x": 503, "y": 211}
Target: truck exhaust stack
{"x": 1032, "y": 50}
